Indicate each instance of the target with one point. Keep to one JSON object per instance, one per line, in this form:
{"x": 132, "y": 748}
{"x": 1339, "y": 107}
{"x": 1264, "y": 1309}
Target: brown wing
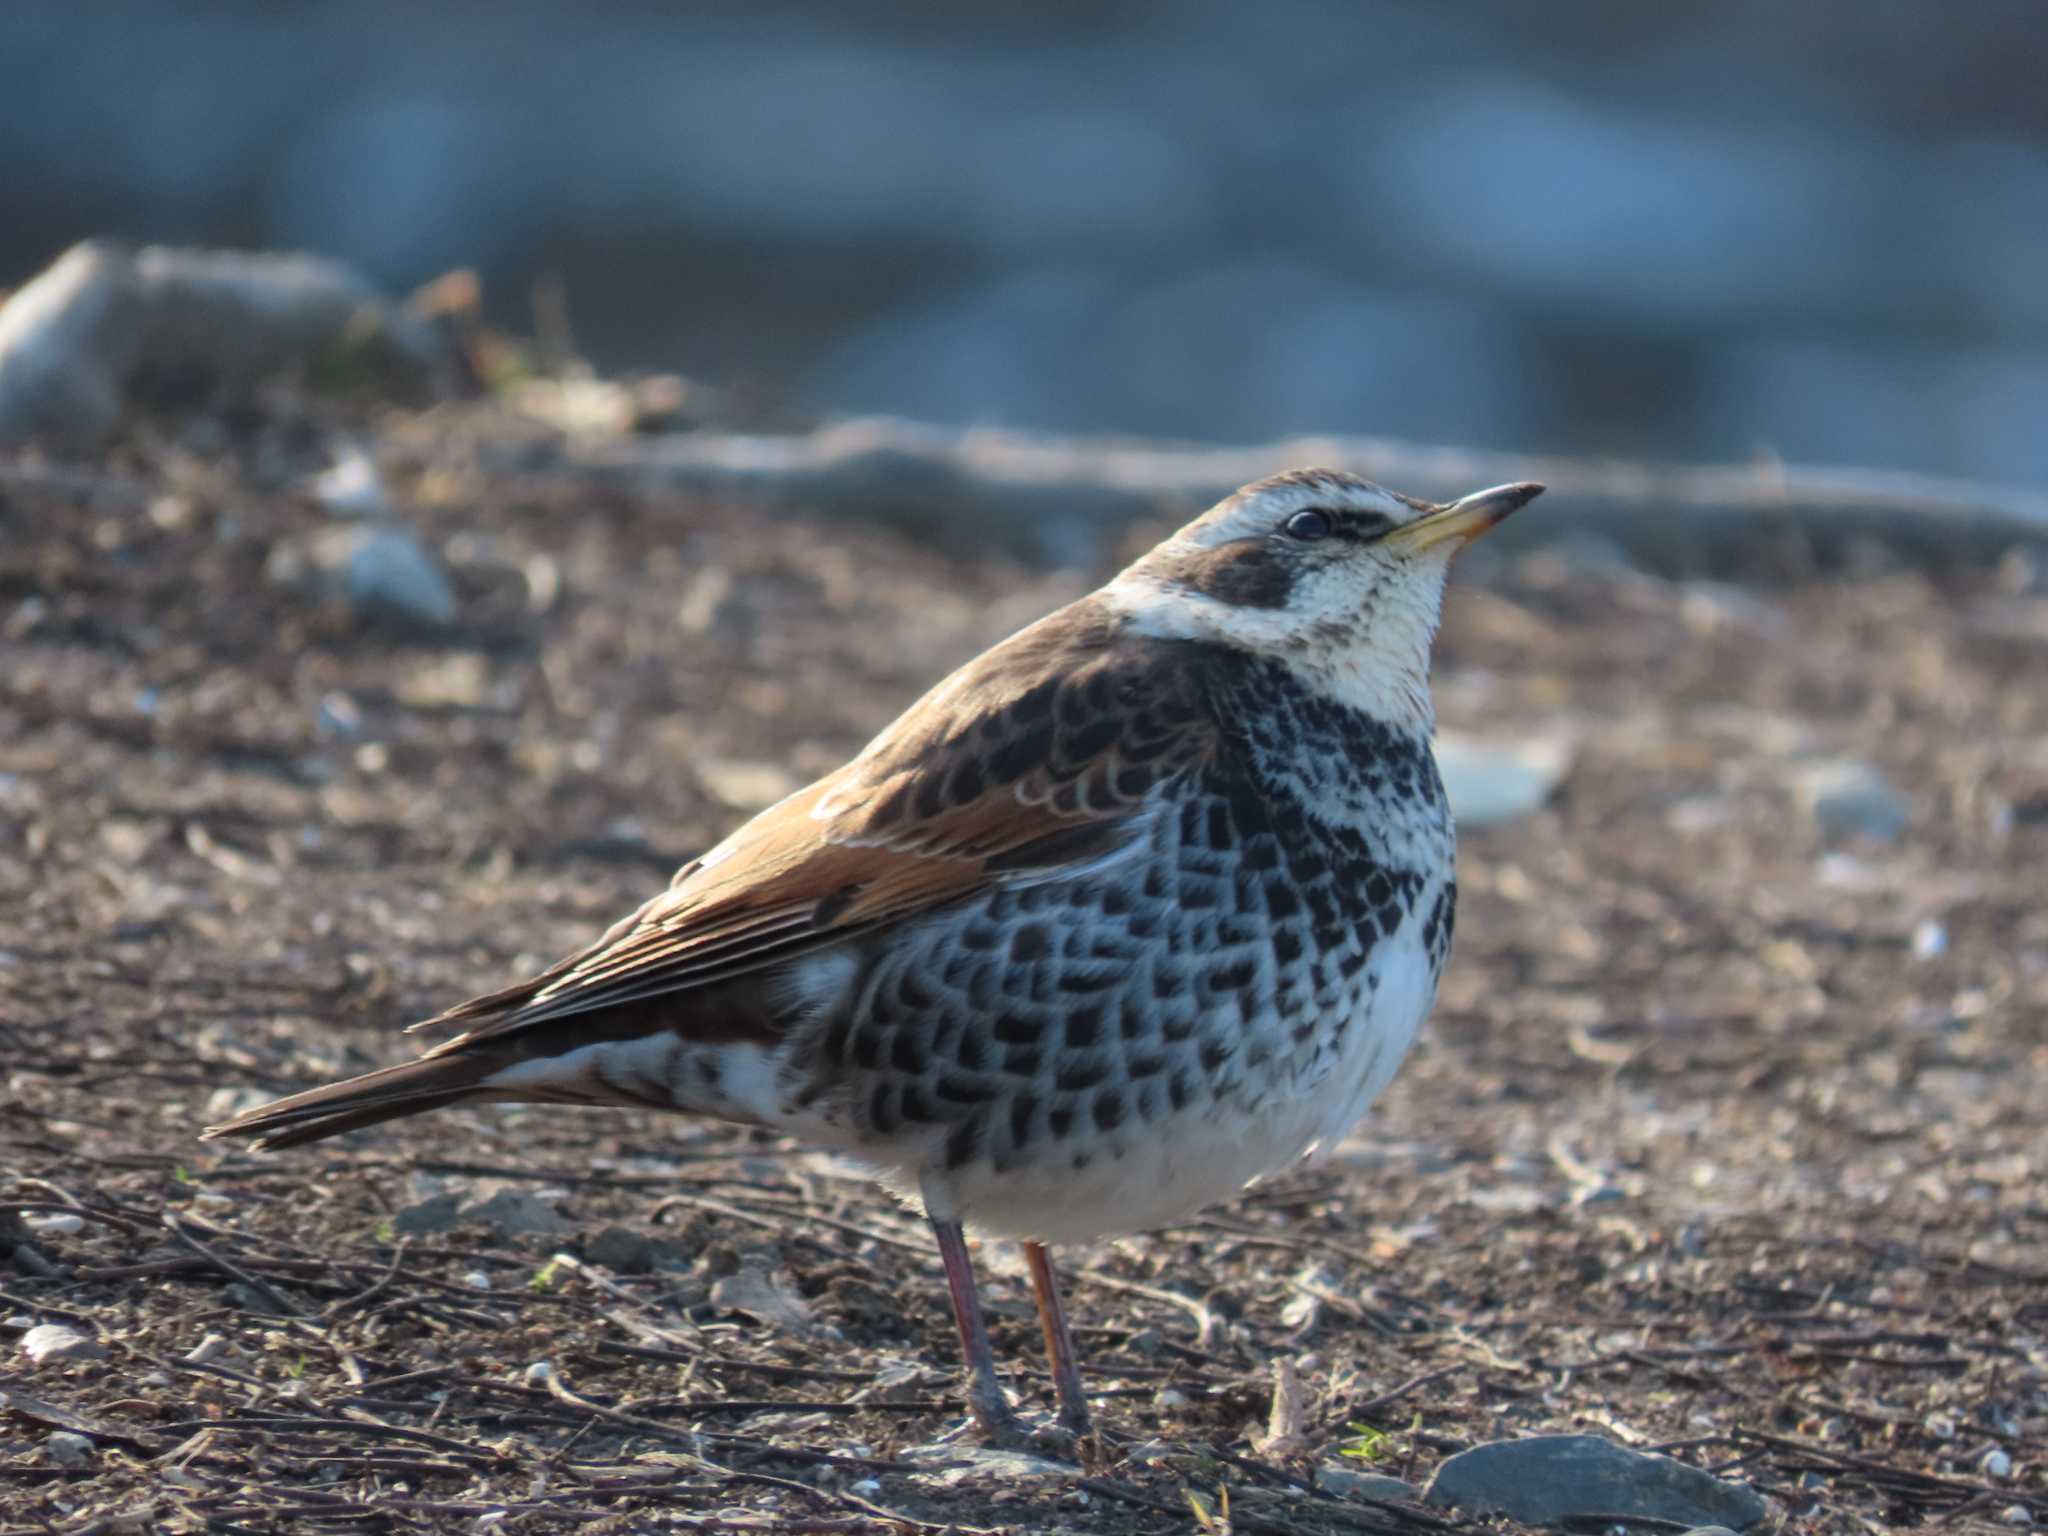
{"x": 1039, "y": 757}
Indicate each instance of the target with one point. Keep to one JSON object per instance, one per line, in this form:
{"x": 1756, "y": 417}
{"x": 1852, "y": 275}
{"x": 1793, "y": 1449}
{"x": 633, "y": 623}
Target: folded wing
{"x": 1042, "y": 758}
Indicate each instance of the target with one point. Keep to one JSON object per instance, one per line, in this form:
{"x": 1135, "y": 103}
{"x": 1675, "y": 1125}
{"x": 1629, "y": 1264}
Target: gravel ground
{"x": 1727, "y": 1136}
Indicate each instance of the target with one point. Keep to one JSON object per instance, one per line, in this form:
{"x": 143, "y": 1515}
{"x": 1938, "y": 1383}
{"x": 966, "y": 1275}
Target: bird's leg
{"x": 1059, "y": 1343}
{"x": 985, "y": 1399}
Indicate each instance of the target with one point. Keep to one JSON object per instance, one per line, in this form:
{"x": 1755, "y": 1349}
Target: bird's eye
{"x": 1309, "y": 526}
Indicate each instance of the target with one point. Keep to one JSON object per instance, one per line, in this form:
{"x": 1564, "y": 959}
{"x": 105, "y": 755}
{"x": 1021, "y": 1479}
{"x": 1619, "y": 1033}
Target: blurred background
{"x": 1696, "y": 231}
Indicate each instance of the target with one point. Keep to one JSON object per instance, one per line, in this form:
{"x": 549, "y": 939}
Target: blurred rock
{"x": 106, "y": 328}
{"x": 1495, "y": 781}
{"x": 68, "y": 1450}
{"x": 513, "y": 1212}
{"x": 252, "y": 1299}
{"x": 352, "y": 486}
{"x": 442, "y": 1213}
{"x": 384, "y": 572}
{"x": 634, "y": 1253}
{"x": 1848, "y": 798}
{"x": 53, "y": 1341}
{"x": 389, "y": 574}
{"x": 1349, "y": 1483}
{"x": 1546, "y": 1478}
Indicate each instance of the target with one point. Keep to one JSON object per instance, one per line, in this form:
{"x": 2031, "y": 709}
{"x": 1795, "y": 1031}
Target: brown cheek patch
{"x": 1244, "y": 573}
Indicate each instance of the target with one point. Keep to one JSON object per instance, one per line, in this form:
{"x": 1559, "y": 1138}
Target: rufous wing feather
{"x": 1044, "y": 756}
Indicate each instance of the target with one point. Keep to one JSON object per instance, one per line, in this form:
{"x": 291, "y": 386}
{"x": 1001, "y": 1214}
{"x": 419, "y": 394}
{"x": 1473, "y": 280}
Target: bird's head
{"x": 1322, "y": 570}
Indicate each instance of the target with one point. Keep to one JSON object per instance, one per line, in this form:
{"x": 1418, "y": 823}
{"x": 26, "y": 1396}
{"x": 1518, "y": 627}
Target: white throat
{"x": 1380, "y": 668}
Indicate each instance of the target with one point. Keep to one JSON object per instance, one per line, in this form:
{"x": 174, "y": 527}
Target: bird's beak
{"x": 1465, "y": 519}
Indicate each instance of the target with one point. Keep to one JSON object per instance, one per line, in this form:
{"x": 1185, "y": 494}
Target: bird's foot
{"x": 1000, "y": 1427}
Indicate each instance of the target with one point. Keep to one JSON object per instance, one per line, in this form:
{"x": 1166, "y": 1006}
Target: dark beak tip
{"x": 1519, "y": 495}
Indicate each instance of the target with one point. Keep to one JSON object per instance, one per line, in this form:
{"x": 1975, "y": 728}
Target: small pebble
{"x": 68, "y": 1450}
{"x": 1997, "y": 1464}
{"x": 514, "y": 1211}
{"x": 1930, "y": 939}
{"x": 541, "y": 1373}
{"x": 1495, "y": 781}
{"x": 212, "y": 1347}
{"x": 53, "y": 1223}
{"x": 1851, "y": 798}
{"x": 338, "y": 714}
{"x": 1349, "y": 1483}
{"x": 53, "y": 1341}
{"x": 352, "y": 487}
{"x": 390, "y": 574}
{"x": 2016, "y": 1514}
{"x": 250, "y": 1299}
{"x": 438, "y": 1213}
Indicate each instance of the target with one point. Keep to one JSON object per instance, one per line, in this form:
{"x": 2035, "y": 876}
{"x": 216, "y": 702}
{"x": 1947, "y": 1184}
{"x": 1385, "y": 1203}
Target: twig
{"x": 1395, "y": 1394}
{"x": 728, "y": 1363}
{"x": 228, "y": 1267}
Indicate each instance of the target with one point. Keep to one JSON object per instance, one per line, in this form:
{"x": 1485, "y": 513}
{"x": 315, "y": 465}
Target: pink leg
{"x": 991, "y": 1409}
{"x": 1059, "y": 1343}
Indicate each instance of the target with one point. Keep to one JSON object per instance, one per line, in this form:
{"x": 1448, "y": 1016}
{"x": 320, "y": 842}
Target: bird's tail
{"x": 410, "y": 1088}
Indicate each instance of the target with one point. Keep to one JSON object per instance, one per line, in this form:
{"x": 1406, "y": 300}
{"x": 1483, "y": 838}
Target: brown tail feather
{"x": 410, "y": 1088}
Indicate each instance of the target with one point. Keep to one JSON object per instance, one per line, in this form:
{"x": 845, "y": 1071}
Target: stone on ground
{"x": 1545, "y": 1479}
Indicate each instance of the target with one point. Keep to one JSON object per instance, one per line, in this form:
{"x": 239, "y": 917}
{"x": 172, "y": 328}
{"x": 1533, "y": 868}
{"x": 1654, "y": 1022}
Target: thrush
{"x": 1146, "y": 901}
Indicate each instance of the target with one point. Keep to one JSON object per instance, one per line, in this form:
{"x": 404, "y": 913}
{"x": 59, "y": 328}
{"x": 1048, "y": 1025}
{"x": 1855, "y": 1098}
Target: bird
{"x": 1143, "y": 903}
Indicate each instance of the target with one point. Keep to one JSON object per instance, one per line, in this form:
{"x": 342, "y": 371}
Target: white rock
{"x": 352, "y": 487}
{"x": 1491, "y": 781}
{"x": 53, "y": 1341}
{"x": 1997, "y": 1464}
{"x": 53, "y": 1223}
